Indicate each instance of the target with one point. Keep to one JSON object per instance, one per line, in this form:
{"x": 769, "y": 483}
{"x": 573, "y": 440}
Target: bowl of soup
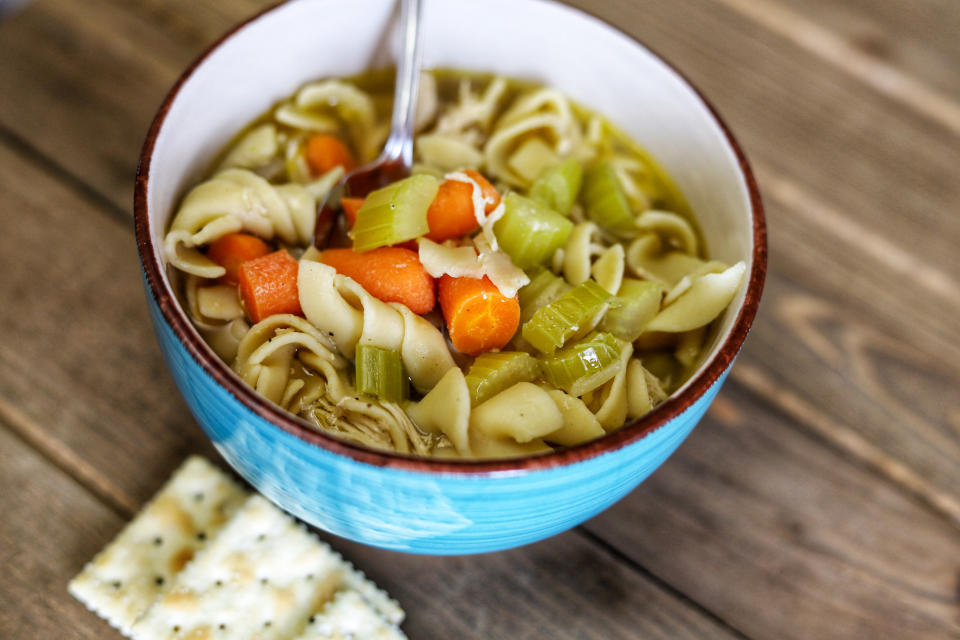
{"x": 482, "y": 354}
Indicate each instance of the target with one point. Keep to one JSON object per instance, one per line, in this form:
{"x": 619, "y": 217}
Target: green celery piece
{"x": 584, "y": 365}
{"x": 544, "y": 288}
{"x": 568, "y": 317}
{"x": 559, "y": 186}
{"x": 606, "y": 203}
{"x": 529, "y": 231}
{"x": 380, "y": 373}
{"x": 635, "y": 304}
{"x": 396, "y": 213}
{"x": 491, "y": 373}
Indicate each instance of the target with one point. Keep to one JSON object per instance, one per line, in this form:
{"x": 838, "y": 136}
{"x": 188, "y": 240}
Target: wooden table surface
{"x": 819, "y": 498}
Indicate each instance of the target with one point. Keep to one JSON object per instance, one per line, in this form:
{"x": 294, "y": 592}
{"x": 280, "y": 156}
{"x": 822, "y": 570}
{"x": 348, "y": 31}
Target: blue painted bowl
{"x": 403, "y": 502}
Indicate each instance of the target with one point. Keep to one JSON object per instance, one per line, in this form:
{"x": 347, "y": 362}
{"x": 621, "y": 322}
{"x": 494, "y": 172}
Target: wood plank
{"x": 783, "y": 539}
{"x": 565, "y": 587}
{"x": 49, "y": 529}
{"x": 87, "y": 323}
{"x": 83, "y": 80}
{"x": 94, "y": 384}
{"x": 862, "y": 57}
{"x": 918, "y": 38}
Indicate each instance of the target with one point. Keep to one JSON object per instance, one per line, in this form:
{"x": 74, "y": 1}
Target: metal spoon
{"x": 396, "y": 158}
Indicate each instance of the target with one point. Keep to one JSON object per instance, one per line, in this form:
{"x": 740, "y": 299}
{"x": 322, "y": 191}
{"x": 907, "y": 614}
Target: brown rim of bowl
{"x": 293, "y": 425}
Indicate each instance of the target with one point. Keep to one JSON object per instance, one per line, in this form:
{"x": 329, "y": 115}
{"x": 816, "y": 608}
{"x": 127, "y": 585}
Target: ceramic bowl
{"x": 407, "y": 503}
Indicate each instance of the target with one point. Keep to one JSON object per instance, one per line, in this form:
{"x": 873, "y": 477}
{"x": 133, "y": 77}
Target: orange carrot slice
{"x": 451, "y": 213}
{"x": 325, "y": 151}
{"x": 233, "y": 249}
{"x": 350, "y": 208}
{"x": 479, "y": 318}
{"x": 391, "y": 274}
{"x": 268, "y": 285}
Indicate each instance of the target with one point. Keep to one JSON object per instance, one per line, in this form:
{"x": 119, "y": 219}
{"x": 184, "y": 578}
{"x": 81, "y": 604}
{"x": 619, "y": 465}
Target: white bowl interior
{"x": 589, "y": 61}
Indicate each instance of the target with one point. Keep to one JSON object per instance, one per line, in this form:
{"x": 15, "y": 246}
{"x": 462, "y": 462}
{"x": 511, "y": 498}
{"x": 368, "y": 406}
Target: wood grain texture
{"x": 565, "y": 587}
{"x": 92, "y": 382}
{"x": 50, "y": 528}
{"x": 918, "y": 39}
{"x": 88, "y": 78}
{"x": 73, "y": 300}
{"x": 783, "y": 539}
{"x": 815, "y": 500}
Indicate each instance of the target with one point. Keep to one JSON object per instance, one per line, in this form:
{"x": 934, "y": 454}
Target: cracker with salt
{"x": 350, "y": 616}
{"x": 261, "y": 578}
{"x": 124, "y": 579}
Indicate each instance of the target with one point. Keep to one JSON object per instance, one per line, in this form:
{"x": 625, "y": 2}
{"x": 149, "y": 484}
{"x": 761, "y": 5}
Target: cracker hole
{"x": 116, "y": 584}
{"x": 261, "y": 537}
{"x": 202, "y": 535}
{"x": 158, "y": 580}
{"x": 198, "y": 496}
{"x": 312, "y": 619}
{"x": 158, "y": 541}
{"x": 176, "y": 629}
{"x": 219, "y": 583}
{"x": 221, "y": 626}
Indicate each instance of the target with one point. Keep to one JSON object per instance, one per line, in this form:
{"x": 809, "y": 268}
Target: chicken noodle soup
{"x": 536, "y": 282}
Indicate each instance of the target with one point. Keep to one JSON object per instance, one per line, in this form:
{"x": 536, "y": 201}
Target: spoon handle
{"x": 400, "y": 143}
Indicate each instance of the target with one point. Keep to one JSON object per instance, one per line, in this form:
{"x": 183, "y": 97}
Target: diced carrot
{"x": 489, "y": 192}
{"x": 268, "y": 285}
{"x": 233, "y": 249}
{"x": 350, "y": 208}
{"x": 391, "y": 274}
{"x": 479, "y": 318}
{"x": 325, "y": 151}
{"x": 451, "y": 213}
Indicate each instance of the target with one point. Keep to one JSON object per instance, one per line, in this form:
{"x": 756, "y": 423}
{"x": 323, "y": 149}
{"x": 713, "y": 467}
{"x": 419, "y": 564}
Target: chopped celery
{"x": 491, "y": 373}
{"x": 380, "y": 373}
{"x": 636, "y": 303}
{"x": 585, "y": 365}
{"x": 529, "y": 231}
{"x": 396, "y": 213}
{"x": 544, "y": 288}
{"x": 559, "y": 186}
{"x": 570, "y": 316}
{"x": 531, "y": 158}
{"x": 605, "y": 200}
